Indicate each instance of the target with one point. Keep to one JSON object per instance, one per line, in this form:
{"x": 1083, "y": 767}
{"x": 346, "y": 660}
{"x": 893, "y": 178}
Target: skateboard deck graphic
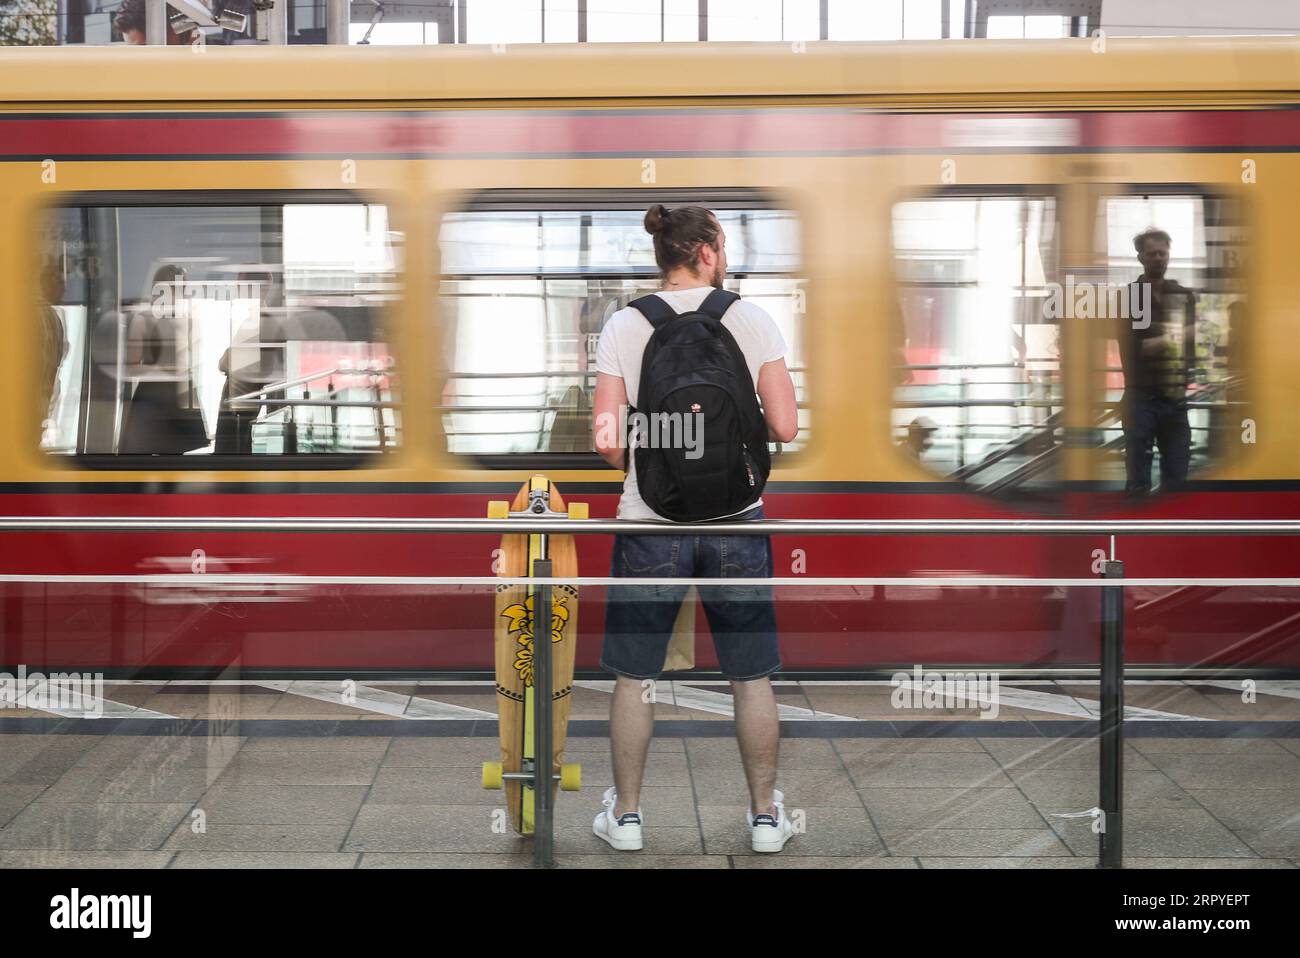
{"x": 516, "y": 631}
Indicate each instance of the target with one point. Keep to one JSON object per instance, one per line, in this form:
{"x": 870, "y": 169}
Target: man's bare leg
{"x": 631, "y": 726}
{"x": 758, "y": 732}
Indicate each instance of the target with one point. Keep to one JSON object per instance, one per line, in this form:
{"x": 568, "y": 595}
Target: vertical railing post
{"x": 155, "y": 22}
{"x": 544, "y": 751}
{"x": 963, "y": 421}
{"x": 1110, "y": 852}
{"x": 338, "y": 21}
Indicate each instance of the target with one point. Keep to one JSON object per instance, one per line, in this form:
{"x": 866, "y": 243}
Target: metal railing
{"x": 1048, "y": 527}
{"x": 1111, "y": 716}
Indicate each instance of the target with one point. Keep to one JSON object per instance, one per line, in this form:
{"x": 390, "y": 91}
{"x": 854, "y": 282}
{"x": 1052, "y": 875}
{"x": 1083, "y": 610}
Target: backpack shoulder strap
{"x": 654, "y": 309}
{"x": 717, "y": 303}
{"x": 738, "y": 359}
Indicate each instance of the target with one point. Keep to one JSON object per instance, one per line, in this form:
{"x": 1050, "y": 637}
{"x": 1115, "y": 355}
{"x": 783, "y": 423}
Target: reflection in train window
{"x": 526, "y": 293}
{"x": 978, "y": 387}
{"x": 1171, "y": 370}
{"x": 250, "y": 329}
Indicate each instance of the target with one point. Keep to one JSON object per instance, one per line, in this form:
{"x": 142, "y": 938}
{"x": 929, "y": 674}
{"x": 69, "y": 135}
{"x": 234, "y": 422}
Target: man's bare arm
{"x": 776, "y": 389}
{"x": 611, "y": 398}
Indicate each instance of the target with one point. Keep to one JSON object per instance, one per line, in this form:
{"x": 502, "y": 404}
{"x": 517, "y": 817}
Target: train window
{"x": 251, "y": 331}
{"x": 978, "y": 385}
{"x": 1170, "y": 369}
{"x": 527, "y": 286}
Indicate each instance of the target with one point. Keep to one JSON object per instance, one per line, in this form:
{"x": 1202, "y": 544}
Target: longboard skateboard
{"x": 515, "y": 633}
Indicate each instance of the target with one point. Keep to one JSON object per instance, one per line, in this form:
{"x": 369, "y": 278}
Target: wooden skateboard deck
{"x": 514, "y": 649}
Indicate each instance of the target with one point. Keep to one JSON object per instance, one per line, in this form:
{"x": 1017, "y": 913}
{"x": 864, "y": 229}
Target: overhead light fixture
{"x": 182, "y": 24}
{"x": 198, "y": 11}
{"x": 233, "y": 20}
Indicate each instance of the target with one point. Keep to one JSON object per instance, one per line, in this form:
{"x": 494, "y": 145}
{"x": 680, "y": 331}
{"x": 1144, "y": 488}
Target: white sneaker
{"x": 769, "y": 833}
{"x": 623, "y": 833}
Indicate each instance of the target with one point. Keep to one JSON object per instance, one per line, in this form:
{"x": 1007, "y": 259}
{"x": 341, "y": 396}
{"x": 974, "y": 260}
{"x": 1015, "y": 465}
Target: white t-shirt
{"x": 624, "y": 339}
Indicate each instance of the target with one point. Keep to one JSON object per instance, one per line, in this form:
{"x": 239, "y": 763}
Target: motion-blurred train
{"x": 369, "y": 282}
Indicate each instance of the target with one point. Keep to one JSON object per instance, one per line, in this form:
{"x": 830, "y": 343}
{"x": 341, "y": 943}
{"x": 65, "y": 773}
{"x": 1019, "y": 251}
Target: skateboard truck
{"x": 569, "y": 776}
{"x": 539, "y": 506}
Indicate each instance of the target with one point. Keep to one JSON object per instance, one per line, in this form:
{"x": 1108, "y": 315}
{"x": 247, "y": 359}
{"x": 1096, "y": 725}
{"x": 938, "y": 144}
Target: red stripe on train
{"x": 651, "y": 133}
{"x": 132, "y": 626}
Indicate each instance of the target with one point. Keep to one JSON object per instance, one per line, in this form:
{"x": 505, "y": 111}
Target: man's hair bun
{"x": 654, "y": 218}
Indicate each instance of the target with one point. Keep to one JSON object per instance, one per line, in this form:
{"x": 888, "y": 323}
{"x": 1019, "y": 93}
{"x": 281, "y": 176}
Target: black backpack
{"x": 693, "y": 367}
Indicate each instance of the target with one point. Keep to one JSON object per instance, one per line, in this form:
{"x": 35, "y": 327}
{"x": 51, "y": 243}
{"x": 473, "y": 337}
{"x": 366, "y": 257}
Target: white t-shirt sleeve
{"x": 607, "y": 360}
{"x": 772, "y": 343}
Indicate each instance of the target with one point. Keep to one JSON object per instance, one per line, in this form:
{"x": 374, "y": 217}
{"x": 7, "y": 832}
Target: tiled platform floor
{"x": 257, "y": 775}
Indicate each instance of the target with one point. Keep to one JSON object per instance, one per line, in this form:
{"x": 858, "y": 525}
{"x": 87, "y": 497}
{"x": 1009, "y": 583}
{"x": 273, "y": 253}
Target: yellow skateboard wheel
{"x": 578, "y": 510}
{"x": 492, "y": 775}
{"x": 498, "y": 509}
{"x": 570, "y": 776}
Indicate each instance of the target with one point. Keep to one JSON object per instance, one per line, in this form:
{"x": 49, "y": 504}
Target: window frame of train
{"x": 614, "y": 286}
{"x": 1055, "y": 398}
{"x": 1218, "y": 286}
{"x": 379, "y": 317}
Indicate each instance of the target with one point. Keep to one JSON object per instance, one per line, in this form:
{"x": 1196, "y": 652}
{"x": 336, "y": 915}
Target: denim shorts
{"x": 639, "y": 618}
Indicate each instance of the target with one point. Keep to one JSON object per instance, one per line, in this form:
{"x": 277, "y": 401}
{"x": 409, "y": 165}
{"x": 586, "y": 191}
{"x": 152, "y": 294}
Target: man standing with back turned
{"x": 690, "y": 249}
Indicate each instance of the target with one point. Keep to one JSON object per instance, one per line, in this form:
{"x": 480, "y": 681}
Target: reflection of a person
{"x": 54, "y": 344}
{"x": 129, "y": 21}
{"x": 920, "y": 437}
{"x": 1157, "y": 354}
{"x": 247, "y": 368}
{"x": 156, "y": 420}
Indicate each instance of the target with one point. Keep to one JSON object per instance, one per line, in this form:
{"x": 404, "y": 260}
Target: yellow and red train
{"x": 368, "y": 282}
